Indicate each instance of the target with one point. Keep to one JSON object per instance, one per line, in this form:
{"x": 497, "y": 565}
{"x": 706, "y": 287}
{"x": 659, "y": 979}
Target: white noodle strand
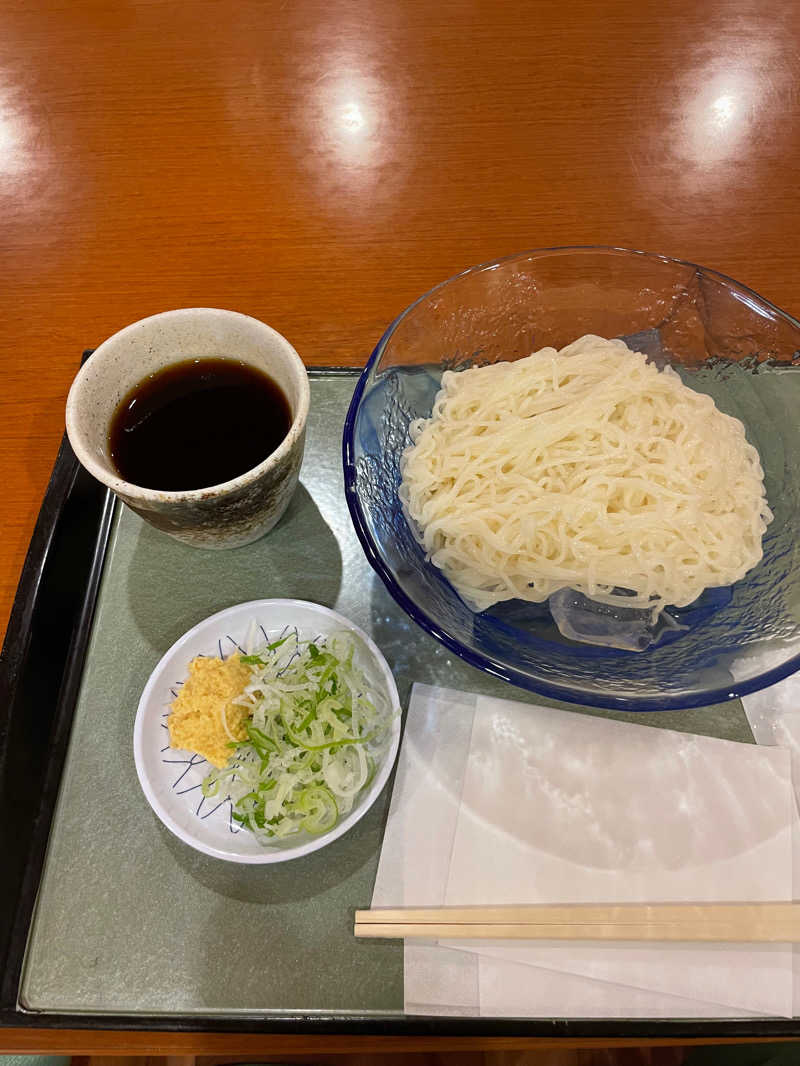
{"x": 588, "y": 469}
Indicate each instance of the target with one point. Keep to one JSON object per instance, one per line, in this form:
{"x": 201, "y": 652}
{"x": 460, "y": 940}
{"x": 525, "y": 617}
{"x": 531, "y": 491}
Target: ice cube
{"x": 583, "y": 619}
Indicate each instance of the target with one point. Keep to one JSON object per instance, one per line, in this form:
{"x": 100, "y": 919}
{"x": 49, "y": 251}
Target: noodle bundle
{"x": 586, "y": 468}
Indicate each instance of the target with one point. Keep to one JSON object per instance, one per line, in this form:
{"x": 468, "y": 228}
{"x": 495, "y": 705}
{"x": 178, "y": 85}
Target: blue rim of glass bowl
{"x": 734, "y": 690}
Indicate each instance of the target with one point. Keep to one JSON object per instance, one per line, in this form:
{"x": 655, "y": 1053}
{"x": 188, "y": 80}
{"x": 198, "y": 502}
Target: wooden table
{"x": 320, "y": 163}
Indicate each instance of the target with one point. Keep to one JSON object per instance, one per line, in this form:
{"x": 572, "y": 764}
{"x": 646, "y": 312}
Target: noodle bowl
{"x": 586, "y": 468}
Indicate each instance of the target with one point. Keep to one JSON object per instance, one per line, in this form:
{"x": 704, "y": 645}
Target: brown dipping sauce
{"x": 196, "y": 424}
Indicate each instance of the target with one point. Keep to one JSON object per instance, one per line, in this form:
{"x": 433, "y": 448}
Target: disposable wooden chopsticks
{"x": 764, "y": 922}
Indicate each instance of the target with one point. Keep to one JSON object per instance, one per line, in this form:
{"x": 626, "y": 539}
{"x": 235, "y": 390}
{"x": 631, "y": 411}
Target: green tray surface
{"x": 129, "y": 920}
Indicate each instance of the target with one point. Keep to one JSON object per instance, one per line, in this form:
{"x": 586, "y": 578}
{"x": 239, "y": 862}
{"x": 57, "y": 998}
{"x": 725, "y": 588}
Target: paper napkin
{"x": 501, "y": 802}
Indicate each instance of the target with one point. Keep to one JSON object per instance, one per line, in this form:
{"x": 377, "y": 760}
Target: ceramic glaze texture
{"x": 235, "y": 512}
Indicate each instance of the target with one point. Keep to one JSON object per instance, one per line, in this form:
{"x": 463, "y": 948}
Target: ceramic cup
{"x": 228, "y": 515}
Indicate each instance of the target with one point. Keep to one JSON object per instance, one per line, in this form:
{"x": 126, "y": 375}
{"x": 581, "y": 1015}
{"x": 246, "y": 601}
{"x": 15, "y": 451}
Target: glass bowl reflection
{"x": 720, "y": 336}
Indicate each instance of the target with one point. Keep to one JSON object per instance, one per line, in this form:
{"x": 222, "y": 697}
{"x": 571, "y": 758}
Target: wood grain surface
{"x": 663, "y": 1056}
{"x": 320, "y": 163}
{"x": 255, "y": 1048}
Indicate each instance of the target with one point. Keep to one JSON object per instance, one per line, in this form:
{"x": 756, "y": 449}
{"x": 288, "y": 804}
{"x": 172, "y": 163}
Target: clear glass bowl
{"x": 721, "y": 337}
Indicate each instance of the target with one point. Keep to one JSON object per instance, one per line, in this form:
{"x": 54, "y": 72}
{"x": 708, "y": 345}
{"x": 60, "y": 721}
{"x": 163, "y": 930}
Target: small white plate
{"x": 171, "y": 778}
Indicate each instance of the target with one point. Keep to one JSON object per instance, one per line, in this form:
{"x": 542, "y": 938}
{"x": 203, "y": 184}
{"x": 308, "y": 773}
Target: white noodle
{"x": 586, "y": 468}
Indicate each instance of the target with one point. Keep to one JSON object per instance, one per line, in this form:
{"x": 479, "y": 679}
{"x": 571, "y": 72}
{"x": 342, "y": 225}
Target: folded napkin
{"x": 499, "y": 802}
{"x": 774, "y": 717}
{"x": 445, "y": 981}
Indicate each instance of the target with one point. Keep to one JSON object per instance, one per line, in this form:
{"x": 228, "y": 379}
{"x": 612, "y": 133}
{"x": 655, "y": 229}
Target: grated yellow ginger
{"x": 204, "y": 700}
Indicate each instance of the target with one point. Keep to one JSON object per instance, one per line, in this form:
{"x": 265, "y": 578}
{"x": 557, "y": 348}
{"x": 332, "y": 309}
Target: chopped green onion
{"x": 321, "y": 811}
{"x": 256, "y": 660}
{"x": 317, "y": 732}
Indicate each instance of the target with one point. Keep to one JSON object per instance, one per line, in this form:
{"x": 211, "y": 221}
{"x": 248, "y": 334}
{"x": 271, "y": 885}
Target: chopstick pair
{"x": 737, "y": 922}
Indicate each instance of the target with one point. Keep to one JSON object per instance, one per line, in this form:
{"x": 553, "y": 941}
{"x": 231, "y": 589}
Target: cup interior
{"x": 148, "y": 346}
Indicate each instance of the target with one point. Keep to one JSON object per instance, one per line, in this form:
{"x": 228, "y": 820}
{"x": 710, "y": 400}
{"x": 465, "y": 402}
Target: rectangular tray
{"x": 134, "y": 929}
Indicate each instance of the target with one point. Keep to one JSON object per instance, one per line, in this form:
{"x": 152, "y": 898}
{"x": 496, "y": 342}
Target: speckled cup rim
{"x": 139, "y": 492}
